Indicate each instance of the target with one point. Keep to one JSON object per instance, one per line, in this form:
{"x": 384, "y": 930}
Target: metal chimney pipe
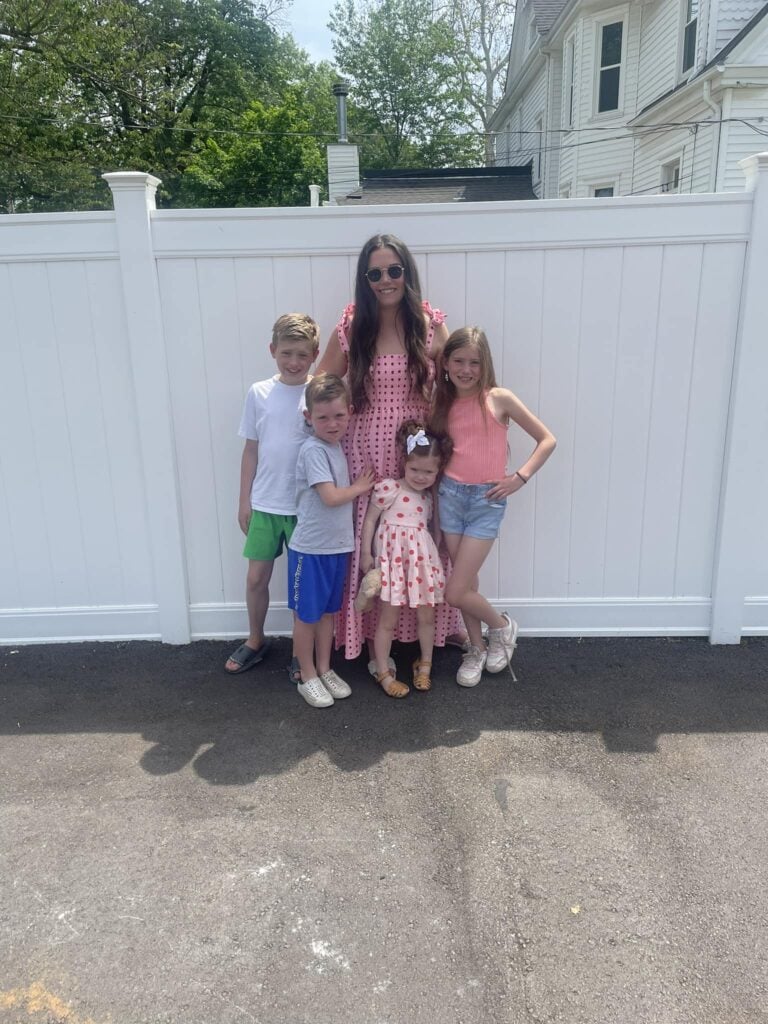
{"x": 314, "y": 195}
{"x": 340, "y": 91}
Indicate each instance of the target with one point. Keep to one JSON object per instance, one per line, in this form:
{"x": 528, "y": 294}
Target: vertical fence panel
{"x": 712, "y": 370}
{"x": 121, "y": 432}
{"x": 563, "y": 270}
{"x": 594, "y": 383}
{"x": 519, "y": 371}
{"x": 631, "y": 409}
{"x": 52, "y": 454}
{"x": 669, "y": 415}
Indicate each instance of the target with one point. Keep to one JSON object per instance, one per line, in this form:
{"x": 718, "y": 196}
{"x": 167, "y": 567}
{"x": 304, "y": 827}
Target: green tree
{"x": 271, "y": 159}
{"x": 482, "y": 35}
{"x": 407, "y": 87}
{"x": 132, "y": 83}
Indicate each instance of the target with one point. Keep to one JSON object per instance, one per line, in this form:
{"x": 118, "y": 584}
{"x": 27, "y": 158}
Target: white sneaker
{"x": 472, "y": 665}
{"x": 315, "y": 693}
{"x": 501, "y": 645}
{"x": 335, "y": 685}
{"x": 375, "y": 672}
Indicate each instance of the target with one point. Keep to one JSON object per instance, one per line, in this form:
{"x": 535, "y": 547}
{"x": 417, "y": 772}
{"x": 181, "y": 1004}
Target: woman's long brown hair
{"x": 364, "y": 328}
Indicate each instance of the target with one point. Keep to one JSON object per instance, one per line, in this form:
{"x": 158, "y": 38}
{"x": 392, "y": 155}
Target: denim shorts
{"x": 465, "y": 509}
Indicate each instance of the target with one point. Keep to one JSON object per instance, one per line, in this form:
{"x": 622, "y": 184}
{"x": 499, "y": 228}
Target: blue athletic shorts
{"x": 315, "y": 584}
{"x": 465, "y": 509}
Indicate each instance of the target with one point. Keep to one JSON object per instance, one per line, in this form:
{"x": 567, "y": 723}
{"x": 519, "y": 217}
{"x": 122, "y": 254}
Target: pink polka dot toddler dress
{"x": 411, "y": 571}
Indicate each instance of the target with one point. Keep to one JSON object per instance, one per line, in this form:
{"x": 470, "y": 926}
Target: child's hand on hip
{"x": 498, "y": 489}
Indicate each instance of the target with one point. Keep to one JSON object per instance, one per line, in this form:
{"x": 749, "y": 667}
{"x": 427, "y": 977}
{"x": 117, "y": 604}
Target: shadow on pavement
{"x": 234, "y": 730}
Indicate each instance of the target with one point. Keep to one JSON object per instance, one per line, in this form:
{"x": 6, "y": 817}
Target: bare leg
{"x": 257, "y": 603}
{"x": 304, "y": 644}
{"x": 323, "y": 643}
{"x": 468, "y": 555}
{"x": 385, "y": 631}
{"x": 425, "y": 617}
{"x": 422, "y": 667}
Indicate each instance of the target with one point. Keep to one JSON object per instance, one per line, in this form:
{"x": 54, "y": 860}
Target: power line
{"x": 544, "y": 132}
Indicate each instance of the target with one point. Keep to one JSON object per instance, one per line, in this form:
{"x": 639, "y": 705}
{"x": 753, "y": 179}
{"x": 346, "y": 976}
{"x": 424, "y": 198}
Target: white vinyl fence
{"x": 636, "y": 327}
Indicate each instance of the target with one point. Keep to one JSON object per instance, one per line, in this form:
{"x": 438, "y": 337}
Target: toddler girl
{"x": 475, "y": 414}
{"x": 396, "y": 526}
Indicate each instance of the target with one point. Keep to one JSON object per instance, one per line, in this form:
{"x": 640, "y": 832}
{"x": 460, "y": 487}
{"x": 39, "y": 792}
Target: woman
{"x": 386, "y": 344}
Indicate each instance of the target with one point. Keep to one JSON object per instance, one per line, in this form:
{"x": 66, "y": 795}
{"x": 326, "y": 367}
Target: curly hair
{"x": 439, "y": 444}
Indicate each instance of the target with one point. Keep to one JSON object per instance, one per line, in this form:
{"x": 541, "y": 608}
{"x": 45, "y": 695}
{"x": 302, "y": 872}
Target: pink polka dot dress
{"x": 411, "y": 572}
{"x": 370, "y": 441}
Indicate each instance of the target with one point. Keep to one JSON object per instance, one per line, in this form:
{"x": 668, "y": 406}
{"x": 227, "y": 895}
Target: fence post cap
{"x": 752, "y": 166}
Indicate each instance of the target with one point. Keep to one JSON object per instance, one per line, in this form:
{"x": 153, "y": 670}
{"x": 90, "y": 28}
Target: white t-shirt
{"x": 273, "y": 415}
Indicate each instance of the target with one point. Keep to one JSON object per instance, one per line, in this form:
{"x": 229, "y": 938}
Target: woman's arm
{"x": 505, "y": 405}
{"x": 366, "y": 536}
{"x": 439, "y": 339}
{"x": 333, "y": 360}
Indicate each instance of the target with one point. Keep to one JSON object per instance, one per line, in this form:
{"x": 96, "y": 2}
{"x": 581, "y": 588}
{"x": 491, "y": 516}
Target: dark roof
{"x": 545, "y": 13}
{"x": 717, "y": 59}
{"x": 446, "y": 185}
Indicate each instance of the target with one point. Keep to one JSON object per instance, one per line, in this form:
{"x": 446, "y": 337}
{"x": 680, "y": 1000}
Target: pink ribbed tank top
{"x": 479, "y": 443}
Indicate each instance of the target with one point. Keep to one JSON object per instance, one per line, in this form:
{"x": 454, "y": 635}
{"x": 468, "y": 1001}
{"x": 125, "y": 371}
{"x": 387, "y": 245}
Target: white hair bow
{"x": 419, "y": 438}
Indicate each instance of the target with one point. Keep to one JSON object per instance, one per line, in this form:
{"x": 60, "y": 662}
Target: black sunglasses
{"x": 394, "y": 273}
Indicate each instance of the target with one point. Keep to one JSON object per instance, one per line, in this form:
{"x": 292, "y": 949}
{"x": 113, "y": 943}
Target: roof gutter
{"x": 717, "y": 114}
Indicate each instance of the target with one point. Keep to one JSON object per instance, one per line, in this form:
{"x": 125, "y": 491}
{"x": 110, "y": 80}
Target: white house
{"x": 637, "y": 97}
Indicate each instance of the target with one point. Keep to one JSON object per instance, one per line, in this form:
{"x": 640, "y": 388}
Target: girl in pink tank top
{"x": 475, "y": 413}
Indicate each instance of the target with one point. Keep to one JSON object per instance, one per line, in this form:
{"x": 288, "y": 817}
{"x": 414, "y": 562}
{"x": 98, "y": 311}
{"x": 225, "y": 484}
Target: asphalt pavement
{"x": 587, "y": 845}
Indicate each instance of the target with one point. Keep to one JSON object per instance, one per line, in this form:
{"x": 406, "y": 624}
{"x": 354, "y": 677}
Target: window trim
{"x": 684, "y": 25}
{"x": 569, "y": 81}
{"x": 618, "y": 14}
{"x": 538, "y": 154}
{"x": 664, "y": 164}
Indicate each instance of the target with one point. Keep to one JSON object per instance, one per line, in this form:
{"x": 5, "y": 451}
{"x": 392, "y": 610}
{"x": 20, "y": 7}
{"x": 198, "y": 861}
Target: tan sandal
{"x": 421, "y": 675}
{"x": 393, "y": 688}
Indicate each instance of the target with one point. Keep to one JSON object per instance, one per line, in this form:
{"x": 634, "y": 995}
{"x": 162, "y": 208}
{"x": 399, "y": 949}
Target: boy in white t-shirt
{"x": 274, "y": 429}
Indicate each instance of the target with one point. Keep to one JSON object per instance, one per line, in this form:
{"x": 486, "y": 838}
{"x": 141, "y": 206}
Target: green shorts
{"x": 266, "y": 534}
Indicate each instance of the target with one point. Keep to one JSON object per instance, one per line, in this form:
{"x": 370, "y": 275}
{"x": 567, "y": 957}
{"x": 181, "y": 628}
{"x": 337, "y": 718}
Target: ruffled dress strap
{"x": 343, "y": 326}
{"x": 385, "y": 494}
{"x": 436, "y": 317}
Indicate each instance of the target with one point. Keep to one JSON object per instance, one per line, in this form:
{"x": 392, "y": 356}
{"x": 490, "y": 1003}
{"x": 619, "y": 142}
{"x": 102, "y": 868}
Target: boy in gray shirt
{"x": 319, "y": 548}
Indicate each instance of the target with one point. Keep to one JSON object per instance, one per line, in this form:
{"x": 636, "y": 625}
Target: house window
{"x": 602, "y": 191}
{"x": 670, "y": 176}
{"x": 689, "y": 35}
{"x": 610, "y": 66}
{"x": 565, "y": 192}
{"x": 570, "y": 82}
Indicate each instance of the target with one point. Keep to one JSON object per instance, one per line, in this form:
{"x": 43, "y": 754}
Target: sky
{"x": 307, "y": 20}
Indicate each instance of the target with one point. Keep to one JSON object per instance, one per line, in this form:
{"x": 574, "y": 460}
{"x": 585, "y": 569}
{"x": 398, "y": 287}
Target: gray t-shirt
{"x": 321, "y": 529}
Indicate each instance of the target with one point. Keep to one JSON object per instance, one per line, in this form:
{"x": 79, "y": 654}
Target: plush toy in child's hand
{"x": 370, "y": 587}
